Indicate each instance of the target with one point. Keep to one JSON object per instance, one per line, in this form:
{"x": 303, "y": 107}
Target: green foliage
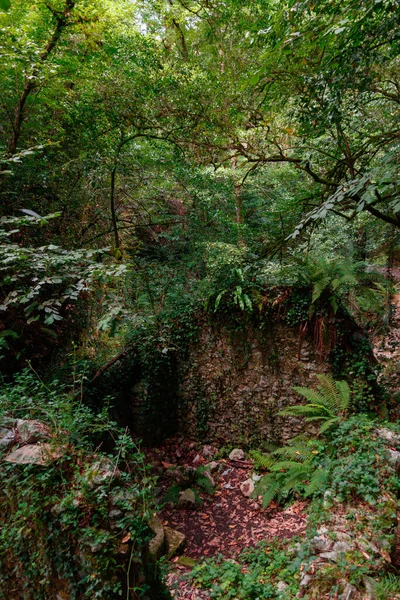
{"x": 295, "y": 468}
{"x": 330, "y": 403}
{"x": 56, "y": 520}
{"x": 43, "y": 280}
{"x": 388, "y": 588}
{"x": 345, "y": 282}
{"x": 360, "y": 466}
{"x": 254, "y": 576}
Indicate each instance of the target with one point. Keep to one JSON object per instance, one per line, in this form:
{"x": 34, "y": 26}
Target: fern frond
{"x": 270, "y": 493}
{"x": 310, "y": 394}
{"x": 317, "y": 482}
{"x": 328, "y": 424}
{"x": 289, "y": 465}
{"x": 330, "y": 392}
{"x": 261, "y": 461}
{"x": 293, "y": 480}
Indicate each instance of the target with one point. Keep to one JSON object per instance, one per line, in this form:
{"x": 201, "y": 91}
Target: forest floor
{"x": 224, "y": 523}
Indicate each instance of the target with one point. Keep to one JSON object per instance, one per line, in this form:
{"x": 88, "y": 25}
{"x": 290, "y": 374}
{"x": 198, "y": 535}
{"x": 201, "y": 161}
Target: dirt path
{"x": 224, "y": 523}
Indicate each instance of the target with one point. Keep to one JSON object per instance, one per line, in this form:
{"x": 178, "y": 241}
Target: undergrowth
{"x": 77, "y": 524}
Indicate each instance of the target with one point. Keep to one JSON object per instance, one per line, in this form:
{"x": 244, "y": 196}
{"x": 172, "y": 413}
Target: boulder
{"x": 30, "y": 432}
{"x": 33, "y": 454}
{"x": 247, "y": 487}
{"x": 236, "y": 454}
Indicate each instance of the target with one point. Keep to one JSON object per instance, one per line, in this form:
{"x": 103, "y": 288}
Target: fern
{"x": 330, "y": 403}
{"x": 293, "y": 468}
{"x": 261, "y": 461}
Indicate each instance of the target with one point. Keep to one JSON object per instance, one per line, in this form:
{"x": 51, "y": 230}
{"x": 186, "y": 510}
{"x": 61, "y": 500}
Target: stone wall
{"x": 232, "y": 384}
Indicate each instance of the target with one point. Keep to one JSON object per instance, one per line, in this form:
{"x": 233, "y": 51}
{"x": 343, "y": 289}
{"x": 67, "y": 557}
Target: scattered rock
{"x": 212, "y": 466}
{"x": 197, "y": 460}
{"x": 305, "y": 580}
{"x": 281, "y": 586}
{"x": 30, "y": 432}
{"x": 175, "y": 540}
{"x": 209, "y": 451}
{"x": 321, "y": 543}
{"x": 394, "y": 459}
{"x": 187, "y": 499}
{"x": 247, "y": 488}
{"x": 236, "y": 454}
{"x": 388, "y": 436}
{"x": 349, "y": 591}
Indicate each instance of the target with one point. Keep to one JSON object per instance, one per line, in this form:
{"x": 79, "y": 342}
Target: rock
{"x": 100, "y": 472}
{"x": 388, "y": 436}
{"x": 208, "y": 476}
{"x": 197, "y": 460}
{"x": 175, "y": 540}
{"x": 338, "y": 549}
{"x": 281, "y": 586}
{"x": 157, "y": 543}
{"x": 236, "y": 454}
{"x": 30, "y": 432}
{"x": 247, "y": 487}
{"x": 7, "y": 438}
{"x": 341, "y": 547}
{"x": 256, "y": 477}
{"x": 208, "y": 451}
{"x": 212, "y": 466}
{"x": 349, "y": 591}
{"x": 306, "y": 580}
{"x": 32, "y": 454}
{"x": 370, "y": 586}
{"x": 187, "y": 499}
{"x": 394, "y": 459}
{"x": 321, "y": 543}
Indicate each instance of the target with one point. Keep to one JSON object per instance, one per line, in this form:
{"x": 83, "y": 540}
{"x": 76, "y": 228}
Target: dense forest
{"x": 199, "y": 312}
